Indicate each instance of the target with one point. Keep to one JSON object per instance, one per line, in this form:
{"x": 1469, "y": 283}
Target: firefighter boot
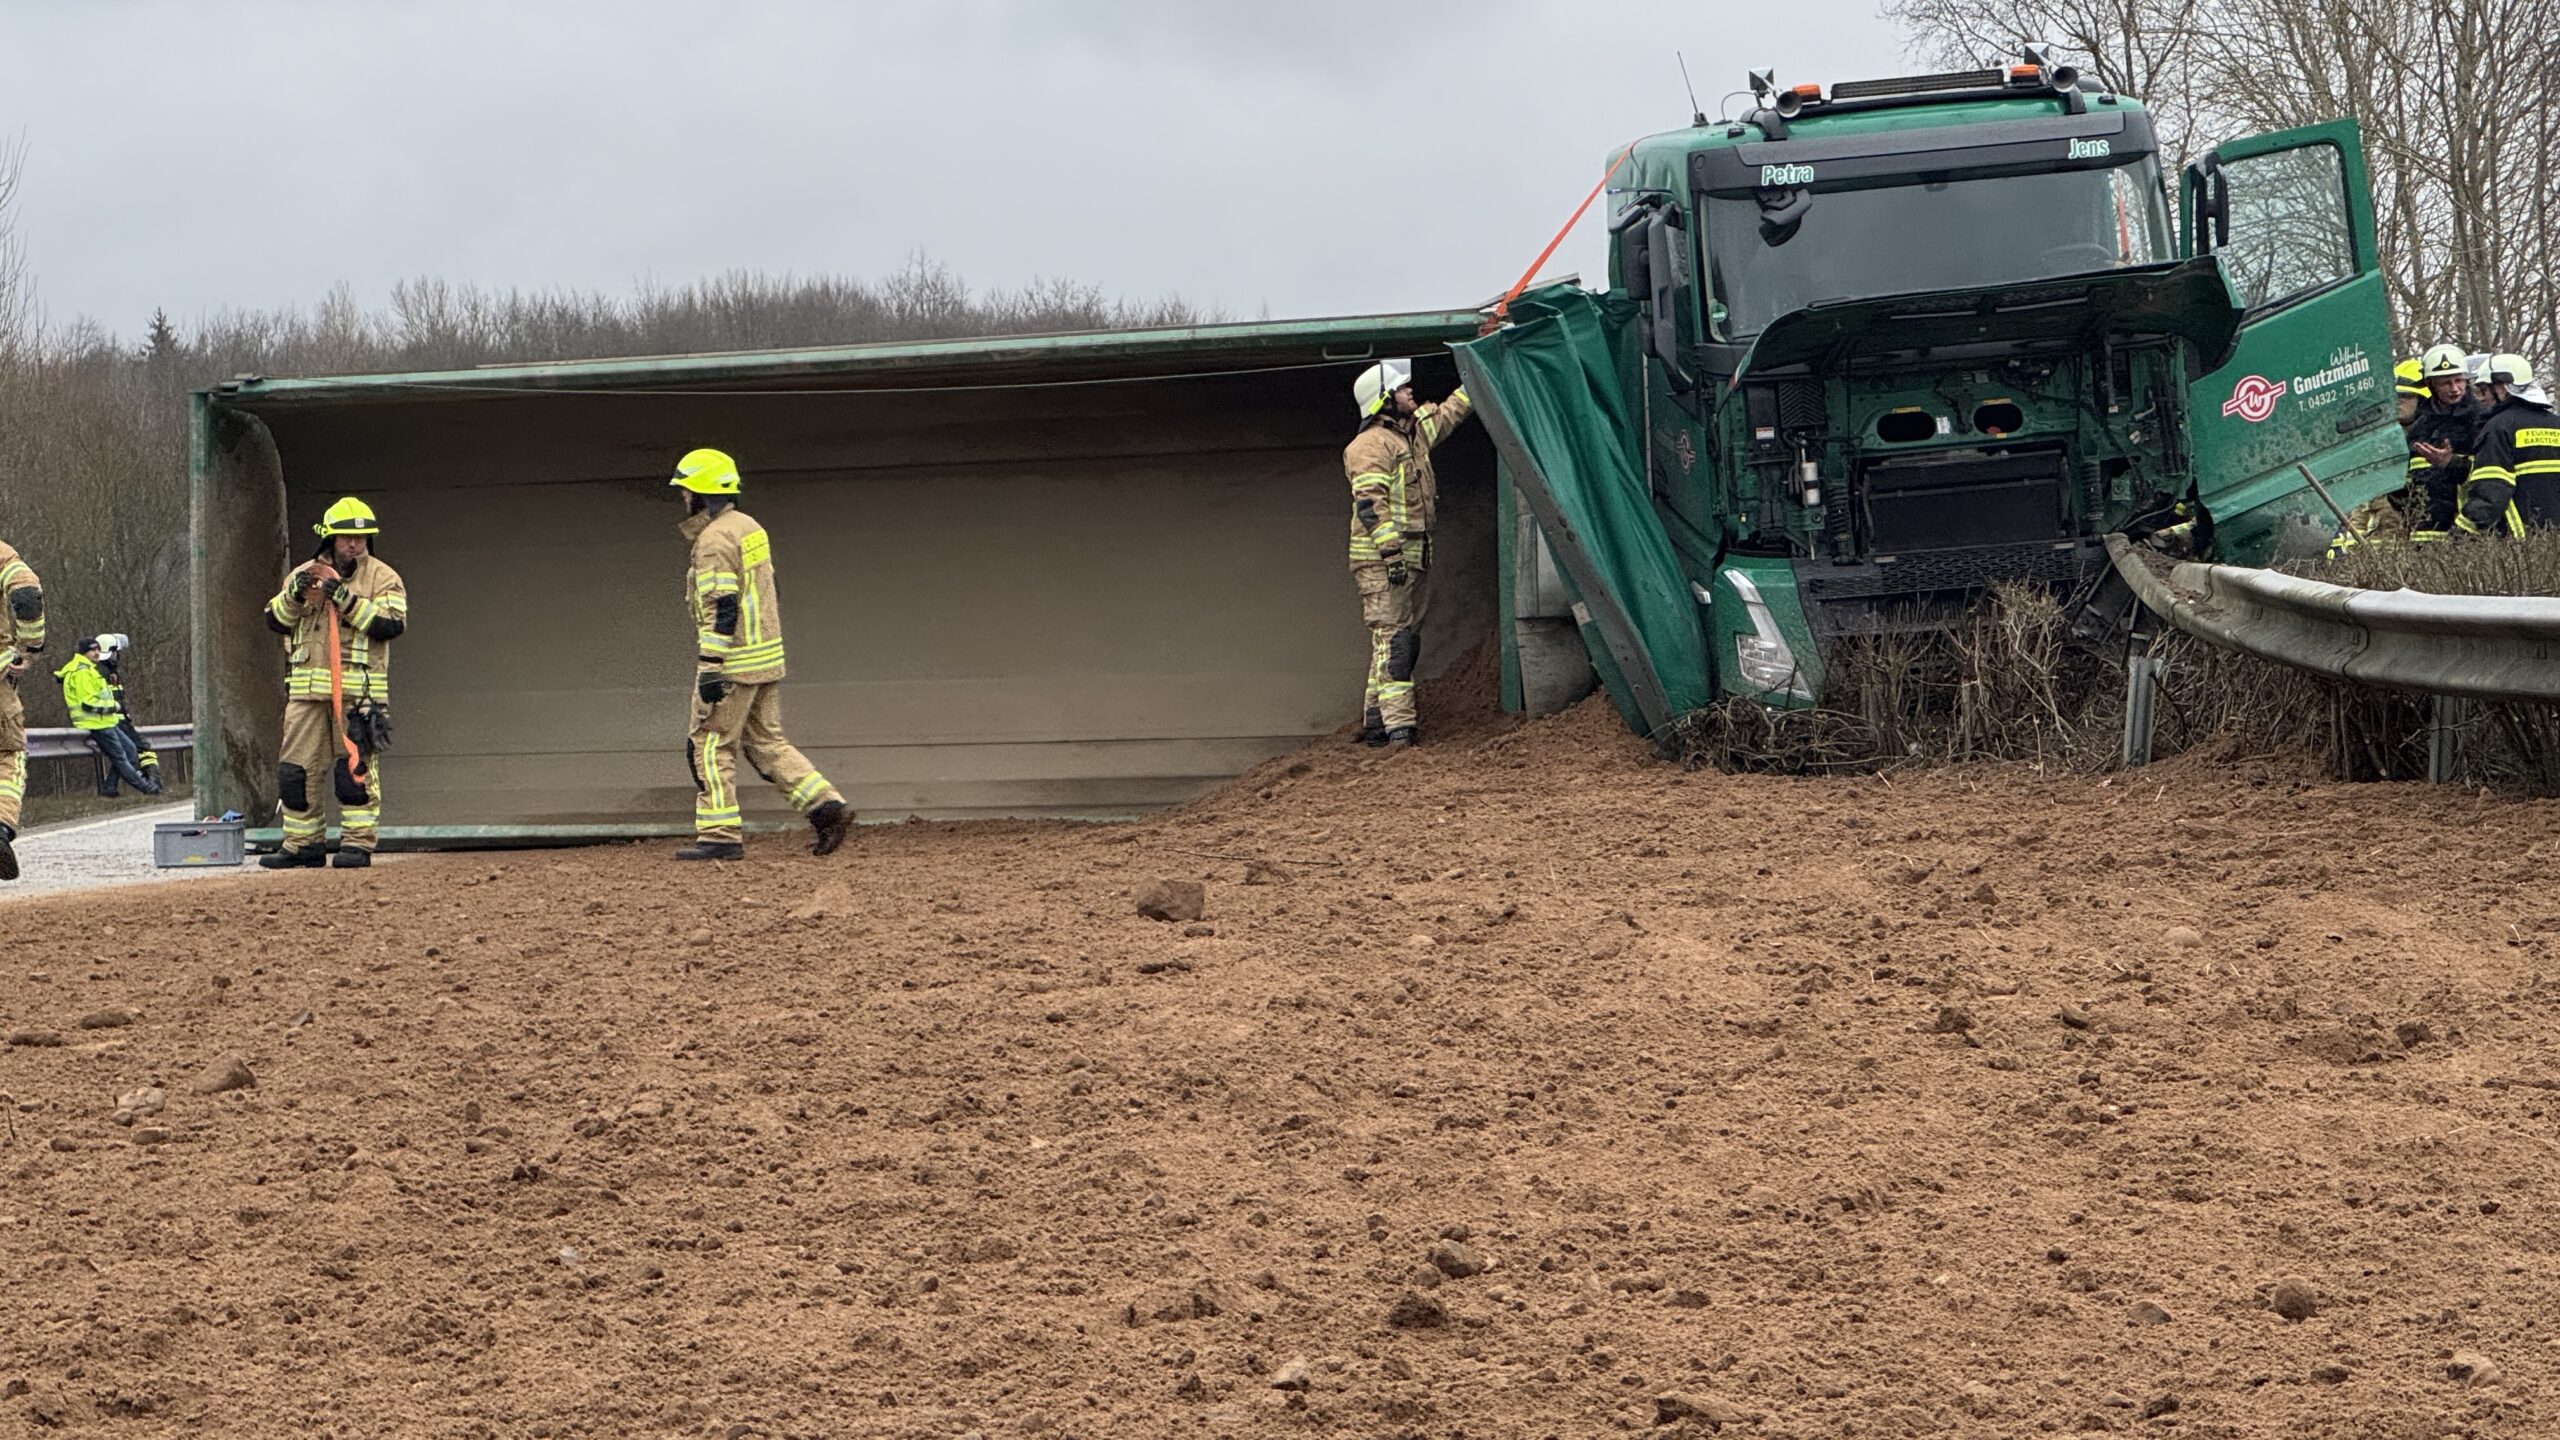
{"x": 830, "y": 821}
{"x": 1373, "y": 730}
{"x": 1404, "y": 737}
{"x": 352, "y": 859}
{"x": 285, "y": 859}
{"x": 8, "y": 857}
{"x": 713, "y": 850}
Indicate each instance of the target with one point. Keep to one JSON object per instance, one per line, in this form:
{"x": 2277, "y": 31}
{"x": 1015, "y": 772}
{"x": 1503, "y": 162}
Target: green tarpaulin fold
{"x": 1550, "y": 392}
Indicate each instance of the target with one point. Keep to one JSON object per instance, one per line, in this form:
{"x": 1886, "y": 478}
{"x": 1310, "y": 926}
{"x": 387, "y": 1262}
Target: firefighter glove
{"x": 303, "y": 580}
{"x": 711, "y": 686}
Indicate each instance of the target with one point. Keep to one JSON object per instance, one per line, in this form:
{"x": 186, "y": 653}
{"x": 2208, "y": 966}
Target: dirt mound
{"x": 1517, "y": 1086}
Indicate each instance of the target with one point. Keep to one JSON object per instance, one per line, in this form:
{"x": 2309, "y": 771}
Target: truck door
{"x": 2290, "y": 218}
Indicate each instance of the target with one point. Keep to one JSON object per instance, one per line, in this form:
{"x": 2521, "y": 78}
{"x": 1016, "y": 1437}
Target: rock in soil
{"x": 140, "y": 1103}
{"x": 1673, "y": 1406}
{"x": 228, "y": 1073}
{"x": 106, "y": 1019}
{"x": 2473, "y": 1368}
{"x": 1173, "y": 900}
{"x": 2293, "y": 1298}
{"x": 1414, "y": 1310}
{"x": 36, "y": 1039}
{"x": 1455, "y": 1260}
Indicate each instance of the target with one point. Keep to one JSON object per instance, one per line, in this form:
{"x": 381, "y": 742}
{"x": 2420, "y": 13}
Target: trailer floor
{"x": 1976, "y": 1102}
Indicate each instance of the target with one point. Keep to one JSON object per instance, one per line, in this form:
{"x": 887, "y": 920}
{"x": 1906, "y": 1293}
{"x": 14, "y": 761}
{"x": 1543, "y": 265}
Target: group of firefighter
{"x": 338, "y": 614}
{"x": 2484, "y": 453}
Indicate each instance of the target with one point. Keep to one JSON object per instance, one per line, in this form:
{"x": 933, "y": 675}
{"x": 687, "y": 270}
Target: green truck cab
{"x": 1881, "y": 348}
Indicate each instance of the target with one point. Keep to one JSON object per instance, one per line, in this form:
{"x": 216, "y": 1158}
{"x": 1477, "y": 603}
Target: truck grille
{"x": 1846, "y": 598}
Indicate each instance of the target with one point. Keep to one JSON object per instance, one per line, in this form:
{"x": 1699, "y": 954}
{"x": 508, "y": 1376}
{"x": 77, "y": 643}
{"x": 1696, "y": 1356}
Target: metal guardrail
{"x": 64, "y": 742}
{"x": 2472, "y": 647}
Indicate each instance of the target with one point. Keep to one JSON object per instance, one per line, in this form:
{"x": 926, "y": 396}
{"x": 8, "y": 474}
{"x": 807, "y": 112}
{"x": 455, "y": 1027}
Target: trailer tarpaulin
{"x": 1551, "y": 395}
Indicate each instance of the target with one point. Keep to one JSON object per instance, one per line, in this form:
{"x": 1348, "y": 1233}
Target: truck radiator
{"x": 1964, "y": 499}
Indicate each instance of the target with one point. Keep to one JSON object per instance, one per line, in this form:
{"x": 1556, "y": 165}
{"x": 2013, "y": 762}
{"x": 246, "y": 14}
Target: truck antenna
{"x": 1696, "y": 115}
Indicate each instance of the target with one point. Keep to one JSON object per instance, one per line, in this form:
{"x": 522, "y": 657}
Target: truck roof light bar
{"x": 1919, "y": 84}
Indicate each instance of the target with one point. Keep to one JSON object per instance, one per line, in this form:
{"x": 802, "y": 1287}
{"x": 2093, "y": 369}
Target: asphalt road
{"x": 90, "y": 854}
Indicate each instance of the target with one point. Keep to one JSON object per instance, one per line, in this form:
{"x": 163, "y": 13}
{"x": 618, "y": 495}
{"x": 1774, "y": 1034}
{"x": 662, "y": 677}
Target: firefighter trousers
{"x": 13, "y": 753}
{"x": 311, "y": 770}
{"x": 749, "y": 719}
{"x": 1394, "y": 615}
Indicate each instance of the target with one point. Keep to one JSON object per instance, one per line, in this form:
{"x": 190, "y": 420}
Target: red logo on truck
{"x": 2254, "y": 398}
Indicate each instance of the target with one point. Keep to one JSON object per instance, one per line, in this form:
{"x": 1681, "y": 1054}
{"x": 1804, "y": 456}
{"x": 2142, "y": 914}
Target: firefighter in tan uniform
{"x": 1394, "y": 500}
{"x": 737, "y": 702}
{"x": 344, "y": 595}
{"x": 21, "y": 636}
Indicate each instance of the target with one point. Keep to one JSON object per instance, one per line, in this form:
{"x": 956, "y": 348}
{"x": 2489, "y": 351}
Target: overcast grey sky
{"x": 1313, "y": 157}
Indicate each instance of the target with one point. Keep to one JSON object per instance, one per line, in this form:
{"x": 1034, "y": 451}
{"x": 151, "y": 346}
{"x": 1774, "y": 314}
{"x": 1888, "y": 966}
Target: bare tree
{"x": 17, "y": 289}
{"x": 2147, "y": 49}
{"x": 2459, "y": 121}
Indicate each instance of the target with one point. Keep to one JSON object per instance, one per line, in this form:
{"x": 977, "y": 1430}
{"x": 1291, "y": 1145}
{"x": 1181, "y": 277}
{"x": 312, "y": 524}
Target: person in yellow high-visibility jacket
{"x": 97, "y": 712}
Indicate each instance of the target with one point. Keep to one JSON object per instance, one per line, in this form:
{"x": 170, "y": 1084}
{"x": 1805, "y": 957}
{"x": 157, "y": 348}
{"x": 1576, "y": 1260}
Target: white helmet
{"x": 2513, "y": 371}
{"x": 111, "y": 646}
{"x": 1379, "y": 381}
{"x": 2442, "y": 361}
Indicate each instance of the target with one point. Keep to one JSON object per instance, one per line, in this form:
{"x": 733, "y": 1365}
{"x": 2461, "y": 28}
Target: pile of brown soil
{"x": 1520, "y": 1086}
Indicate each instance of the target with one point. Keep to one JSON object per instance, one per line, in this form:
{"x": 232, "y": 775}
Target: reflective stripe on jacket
{"x": 368, "y": 600}
{"x": 2515, "y": 472}
{"x": 1393, "y": 491}
{"x": 733, "y": 561}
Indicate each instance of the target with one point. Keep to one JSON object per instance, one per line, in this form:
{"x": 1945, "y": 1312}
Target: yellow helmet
{"x": 707, "y": 472}
{"x": 350, "y": 516}
{"x": 2412, "y": 379}
{"x": 2443, "y": 361}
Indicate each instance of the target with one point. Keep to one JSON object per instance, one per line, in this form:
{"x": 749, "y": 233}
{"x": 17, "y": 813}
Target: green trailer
{"x": 1042, "y": 576}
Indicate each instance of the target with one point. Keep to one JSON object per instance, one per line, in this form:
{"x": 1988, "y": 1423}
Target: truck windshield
{"x": 1931, "y": 235}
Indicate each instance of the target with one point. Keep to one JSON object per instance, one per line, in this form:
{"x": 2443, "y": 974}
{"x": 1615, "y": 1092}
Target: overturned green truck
{"x": 1868, "y": 353}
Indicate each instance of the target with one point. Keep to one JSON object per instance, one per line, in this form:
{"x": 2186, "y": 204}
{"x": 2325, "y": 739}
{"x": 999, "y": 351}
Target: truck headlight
{"x": 1763, "y": 658}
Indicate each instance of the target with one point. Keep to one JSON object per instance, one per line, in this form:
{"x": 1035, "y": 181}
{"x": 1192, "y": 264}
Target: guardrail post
{"x": 2141, "y": 690}
{"x": 2445, "y": 718}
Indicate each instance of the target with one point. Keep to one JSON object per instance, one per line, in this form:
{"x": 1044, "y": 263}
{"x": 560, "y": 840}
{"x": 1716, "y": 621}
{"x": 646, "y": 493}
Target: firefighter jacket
{"x": 2457, "y": 428}
{"x": 372, "y": 607}
{"x": 728, "y": 589}
{"x": 87, "y": 695}
{"x": 1393, "y": 492}
{"x": 2515, "y": 470}
{"x": 21, "y": 606}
